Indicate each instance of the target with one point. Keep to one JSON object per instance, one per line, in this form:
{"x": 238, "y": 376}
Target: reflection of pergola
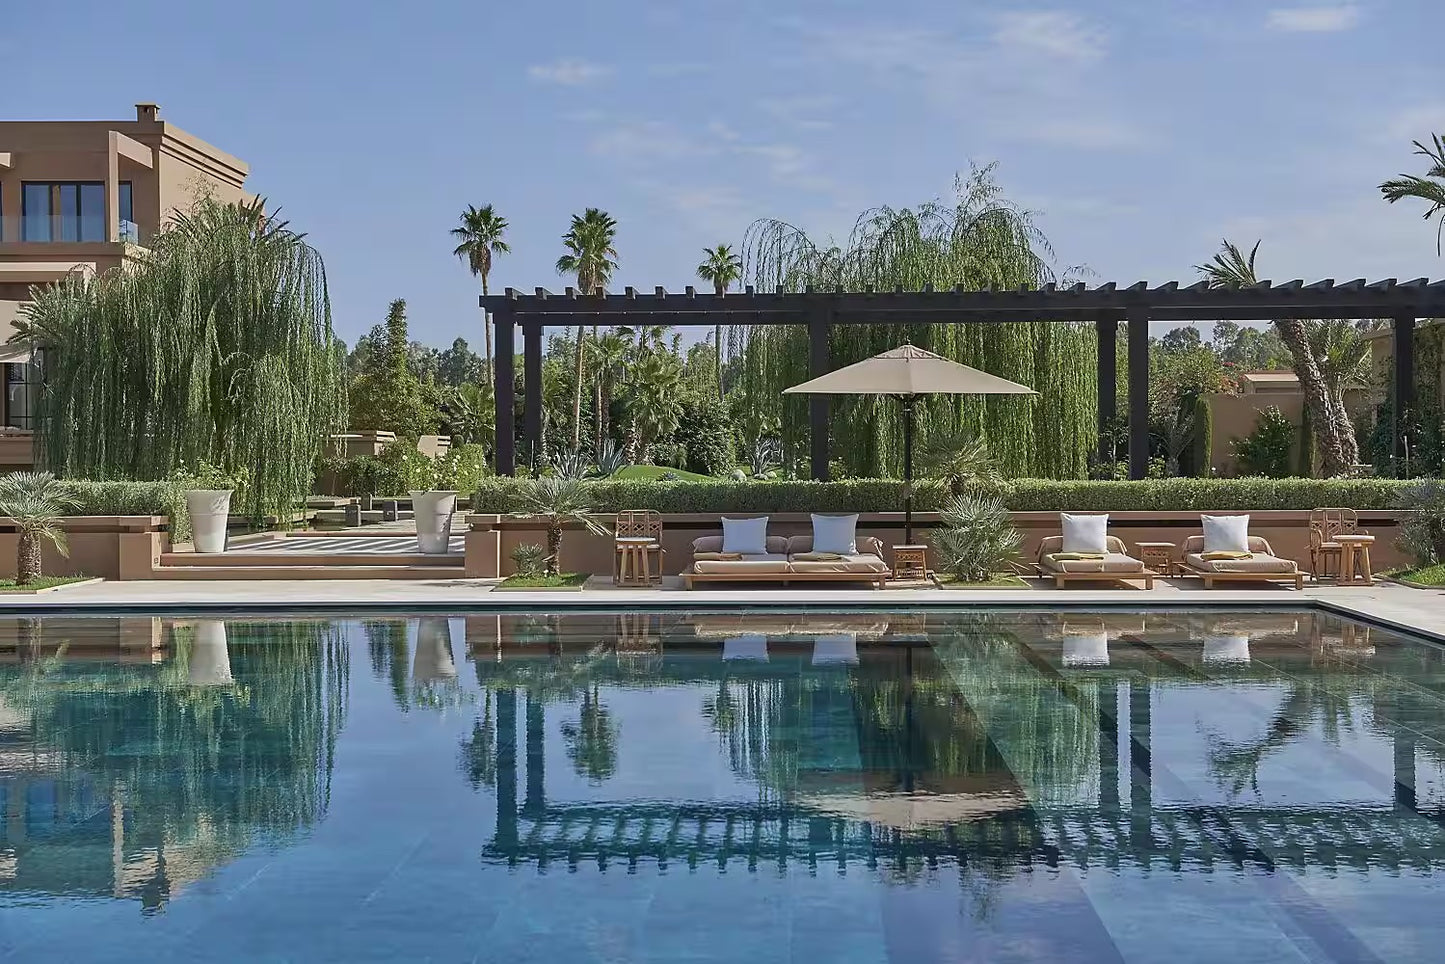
{"x": 1104, "y": 306}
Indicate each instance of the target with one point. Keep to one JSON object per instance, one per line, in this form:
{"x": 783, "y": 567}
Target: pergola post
{"x": 506, "y": 348}
{"x": 1138, "y": 321}
{"x": 819, "y": 321}
{"x": 1107, "y": 330}
{"x": 532, "y": 394}
{"x": 1403, "y": 396}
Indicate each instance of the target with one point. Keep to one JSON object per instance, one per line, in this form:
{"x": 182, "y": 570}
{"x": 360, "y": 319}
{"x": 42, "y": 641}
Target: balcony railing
{"x": 63, "y": 230}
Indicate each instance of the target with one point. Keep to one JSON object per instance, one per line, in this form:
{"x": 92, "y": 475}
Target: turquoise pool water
{"x": 997, "y": 786}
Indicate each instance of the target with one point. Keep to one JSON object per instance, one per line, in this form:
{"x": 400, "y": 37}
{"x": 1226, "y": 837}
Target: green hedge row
{"x": 167, "y": 498}
{"x": 500, "y": 494}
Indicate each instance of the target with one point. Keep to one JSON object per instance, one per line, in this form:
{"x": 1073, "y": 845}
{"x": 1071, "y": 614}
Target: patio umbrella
{"x": 905, "y": 373}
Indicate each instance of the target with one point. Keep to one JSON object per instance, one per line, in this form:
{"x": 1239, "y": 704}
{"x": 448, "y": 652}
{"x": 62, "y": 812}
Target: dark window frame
{"x": 56, "y": 222}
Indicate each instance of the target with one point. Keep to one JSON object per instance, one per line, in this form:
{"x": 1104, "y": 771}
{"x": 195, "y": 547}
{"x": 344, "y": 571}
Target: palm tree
{"x": 721, "y": 266}
{"x": 592, "y": 257}
{"x": 592, "y": 740}
{"x": 560, "y": 502}
{"x": 656, "y": 380}
{"x": 609, "y": 354}
{"x": 958, "y": 459}
{"x": 35, "y": 502}
{"x": 1339, "y": 451}
{"x": 1430, "y": 188}
{"x": 479, "y": 237}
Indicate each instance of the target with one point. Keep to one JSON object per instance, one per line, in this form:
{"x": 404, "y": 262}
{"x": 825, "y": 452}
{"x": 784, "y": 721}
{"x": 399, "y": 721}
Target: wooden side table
{"x": 1355, "y": 559}
{"x": 1158, "y": 556}
{"x": 633, "y": 566}
{"x": 910, "y": 562}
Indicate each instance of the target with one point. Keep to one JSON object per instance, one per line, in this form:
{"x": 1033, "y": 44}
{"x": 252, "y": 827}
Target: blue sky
{"x": 1141, "y": 131}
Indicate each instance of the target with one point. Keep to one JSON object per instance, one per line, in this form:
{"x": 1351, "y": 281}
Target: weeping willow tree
{"x": 216, "y": 346}
{"x": 979, "y": 240}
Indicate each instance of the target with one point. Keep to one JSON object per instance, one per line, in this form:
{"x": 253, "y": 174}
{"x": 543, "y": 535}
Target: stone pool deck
{"x": 1415, "y": 610}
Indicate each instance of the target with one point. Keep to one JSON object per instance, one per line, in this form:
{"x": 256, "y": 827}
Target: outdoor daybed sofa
{"x": 1115, "y": 565}
{"x": 1261, "y": 565}
{"x": 788, "y": 559}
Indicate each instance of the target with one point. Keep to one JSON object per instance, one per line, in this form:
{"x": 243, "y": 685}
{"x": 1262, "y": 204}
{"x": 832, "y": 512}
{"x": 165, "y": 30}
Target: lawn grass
{"x": 566, "y": 580}
{"x": 999, "y": 580}
{"x": 657, "y": 472}
{"x": 1423, "y": 576}
{"x": 44, "y": 582}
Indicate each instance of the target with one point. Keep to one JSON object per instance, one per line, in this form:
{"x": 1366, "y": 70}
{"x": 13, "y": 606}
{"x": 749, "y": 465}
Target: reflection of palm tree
{"x": 592, "y": 740}
{"x": 1326, "y": 700}
{"x": 479, "y": 753}
{"x": 386, "y": 641}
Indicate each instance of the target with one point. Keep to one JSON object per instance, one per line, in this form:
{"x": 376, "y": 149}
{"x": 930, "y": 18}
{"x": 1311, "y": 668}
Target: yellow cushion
{"x": 1223, "y": 554}
{"x": 1076, "y": 556}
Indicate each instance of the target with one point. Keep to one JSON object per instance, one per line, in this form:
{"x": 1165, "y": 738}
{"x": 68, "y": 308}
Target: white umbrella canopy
{"x": 906, "y": 372}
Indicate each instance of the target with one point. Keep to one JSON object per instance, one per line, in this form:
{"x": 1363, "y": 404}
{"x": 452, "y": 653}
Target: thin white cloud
{"x": 802, "y": 112}
{"x": 568, "y": 72}
{"x": 647, "y": 143}
{"x": 1322, "y": 19}
{"x": 1053, "y": 32}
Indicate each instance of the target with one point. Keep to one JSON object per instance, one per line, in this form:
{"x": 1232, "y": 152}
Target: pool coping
{"x": 1403, "y": 610}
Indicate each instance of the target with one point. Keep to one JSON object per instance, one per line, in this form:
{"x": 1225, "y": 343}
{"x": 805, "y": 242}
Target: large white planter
{"x": 210, "y": 508}
{"x": 210, "y": 663}
{"x": 433, "y": 661}
{"x": 433, "y": 511}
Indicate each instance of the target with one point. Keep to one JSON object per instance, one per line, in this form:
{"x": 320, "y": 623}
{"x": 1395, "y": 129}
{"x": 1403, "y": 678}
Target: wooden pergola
{"x": 1104, "y": 305}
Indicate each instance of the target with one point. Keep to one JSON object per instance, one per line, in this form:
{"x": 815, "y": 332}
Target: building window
{"x": 68, "y": 211}
{"x": 22, "y": 388}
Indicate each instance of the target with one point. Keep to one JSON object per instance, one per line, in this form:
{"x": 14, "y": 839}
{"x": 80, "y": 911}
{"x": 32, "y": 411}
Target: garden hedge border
{"x": 501, "y": 495}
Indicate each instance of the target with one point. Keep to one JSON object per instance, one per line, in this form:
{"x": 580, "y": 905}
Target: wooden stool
{"x": 634, "y": 568}
{"x": 910, "y": 562}
{"x": 1355, "y": 559}
{"x": 1158, "y": 556}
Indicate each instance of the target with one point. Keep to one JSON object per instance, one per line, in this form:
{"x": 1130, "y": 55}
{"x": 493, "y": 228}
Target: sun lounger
{"x": 1116, "y": 565}
{"x": 1261, "y": 565}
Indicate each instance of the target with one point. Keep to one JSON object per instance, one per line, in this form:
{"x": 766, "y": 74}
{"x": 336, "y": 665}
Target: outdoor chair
{"x": 1261, "y": 565}
{"x": 1115, "y": 565}
{"x": 634, "y": 526}
{"x": 1326, "y": 526}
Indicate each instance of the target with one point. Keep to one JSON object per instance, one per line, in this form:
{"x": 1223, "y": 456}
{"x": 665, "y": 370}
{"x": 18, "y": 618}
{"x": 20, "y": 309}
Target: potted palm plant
{"x": 35, "y": 502}
{"x": 560, "y": 503}
{"x": 208, "y": 500}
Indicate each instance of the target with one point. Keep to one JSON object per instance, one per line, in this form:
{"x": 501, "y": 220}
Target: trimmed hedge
{"x": 167, "y": 498}
{"x": 500, "y": 495}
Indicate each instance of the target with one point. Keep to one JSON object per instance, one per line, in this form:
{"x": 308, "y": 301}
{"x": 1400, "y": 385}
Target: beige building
{"x": 86, "y": 196}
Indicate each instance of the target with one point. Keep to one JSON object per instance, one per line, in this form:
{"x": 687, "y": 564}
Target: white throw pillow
{"x": 1225, "y": 533}
{"x": 747, "y": 536}
{"x": 1085, "y": 533}
{"x": 835, "y": 533}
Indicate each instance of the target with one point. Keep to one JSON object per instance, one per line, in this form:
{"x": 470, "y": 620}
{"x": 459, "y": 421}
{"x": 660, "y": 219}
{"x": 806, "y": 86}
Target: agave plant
{"x": 570, "y": 463}
{"x": 611, "y": 459}
{"x": 35, "y": 502}
{"x": 767, "y": 451}
{"x": 977, "y": 538}
{"x": 560, "y": 502}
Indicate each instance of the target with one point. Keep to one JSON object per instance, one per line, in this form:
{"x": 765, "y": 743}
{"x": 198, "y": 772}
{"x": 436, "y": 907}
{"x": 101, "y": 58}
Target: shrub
{"x": 1266, "y": 450}
{"x": 165, "y": 497}
{"x": 1201, "y": 448}
{"x": 706, "y": 429}
{"x": 976, "y": 537}
{"x": 529, "y": 559}
{"x": 1423, "y": 532}
{"x": 501, "y": 494}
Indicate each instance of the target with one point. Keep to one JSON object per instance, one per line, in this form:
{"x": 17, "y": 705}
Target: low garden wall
{"x": 114, "y": 547}
{"x": 492, "y": 537}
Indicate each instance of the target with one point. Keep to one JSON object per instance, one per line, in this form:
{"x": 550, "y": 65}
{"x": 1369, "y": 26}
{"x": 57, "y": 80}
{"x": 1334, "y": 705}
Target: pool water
{"x": 982, "y": 786}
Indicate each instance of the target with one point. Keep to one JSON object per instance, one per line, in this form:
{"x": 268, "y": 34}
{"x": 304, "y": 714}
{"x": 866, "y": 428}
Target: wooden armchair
{"x": 634, "y": 524}
{"x": 1325, "y": 526}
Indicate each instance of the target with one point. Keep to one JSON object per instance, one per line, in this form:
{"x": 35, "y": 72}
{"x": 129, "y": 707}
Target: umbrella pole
{"x": 908, "y": 470}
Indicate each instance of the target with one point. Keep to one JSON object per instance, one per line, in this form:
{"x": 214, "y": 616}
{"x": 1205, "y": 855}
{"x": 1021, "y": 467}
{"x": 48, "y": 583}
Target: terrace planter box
{"x": 110, "y": 546}
{"x": 491, "y": 538}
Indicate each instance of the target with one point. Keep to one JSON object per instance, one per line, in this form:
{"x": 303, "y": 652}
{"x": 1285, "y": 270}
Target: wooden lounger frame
{"x": 1211, "y": 577}
{"x": 876, "y": 579}
{"x": 1061, "y": 579}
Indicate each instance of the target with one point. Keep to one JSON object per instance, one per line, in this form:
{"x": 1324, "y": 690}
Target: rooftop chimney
{"x": 147, "y": 112}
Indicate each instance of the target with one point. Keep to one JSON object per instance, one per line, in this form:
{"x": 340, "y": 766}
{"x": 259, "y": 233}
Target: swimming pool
{"x": 983, "y": 786}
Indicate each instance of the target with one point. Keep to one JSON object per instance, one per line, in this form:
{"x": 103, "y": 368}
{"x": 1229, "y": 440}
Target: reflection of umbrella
{"x": 905, "y": 373}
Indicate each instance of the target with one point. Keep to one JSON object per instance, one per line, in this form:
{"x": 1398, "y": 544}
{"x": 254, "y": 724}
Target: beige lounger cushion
{"x": 772, "y": 562}
{"x": 713, "y": 544}
{"x": 1263, "y": 560}
{"x": 1255, "y": 563}
{"x": 860, "y": 562}
{"x": 1112, "y": 562}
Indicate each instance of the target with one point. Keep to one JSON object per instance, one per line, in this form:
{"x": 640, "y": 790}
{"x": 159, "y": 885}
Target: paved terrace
{"x": 1399, "y": 607}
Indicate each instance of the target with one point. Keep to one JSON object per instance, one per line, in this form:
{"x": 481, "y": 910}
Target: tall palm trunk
{"x": 27, "y": 558}
{"x": 1339, "y": 451}
{"x": 487, "y": 333}
{"x": 577, "y": 391}
{"x": 596, "y": 404}
{"x": 554, "y": 549}
{"x": 717, "y": 346}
